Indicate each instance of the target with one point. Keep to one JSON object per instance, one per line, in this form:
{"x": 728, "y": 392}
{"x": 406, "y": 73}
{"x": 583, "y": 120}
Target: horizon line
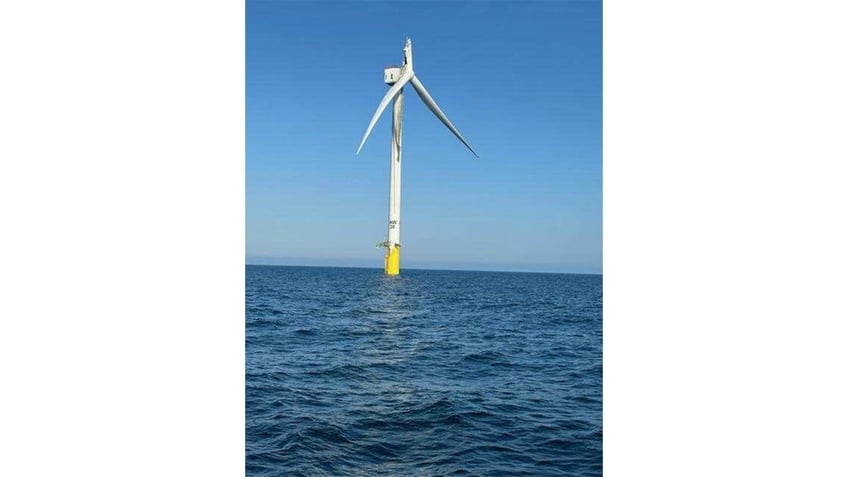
{"x": 420, "y": 269}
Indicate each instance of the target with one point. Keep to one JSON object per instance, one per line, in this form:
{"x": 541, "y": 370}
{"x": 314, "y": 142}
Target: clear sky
{"x": 521, "y": 81}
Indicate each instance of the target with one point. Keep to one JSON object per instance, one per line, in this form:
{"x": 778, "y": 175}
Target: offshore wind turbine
{"x": 398, "y": 77}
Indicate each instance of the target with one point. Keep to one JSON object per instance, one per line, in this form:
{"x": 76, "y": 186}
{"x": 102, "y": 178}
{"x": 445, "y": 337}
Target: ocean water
{"x": 350, "y": 372}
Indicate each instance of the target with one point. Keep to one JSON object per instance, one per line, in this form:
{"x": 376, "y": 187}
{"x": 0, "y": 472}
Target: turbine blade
{"x": 390, "y": 95}
{"x": 428, "y": 100}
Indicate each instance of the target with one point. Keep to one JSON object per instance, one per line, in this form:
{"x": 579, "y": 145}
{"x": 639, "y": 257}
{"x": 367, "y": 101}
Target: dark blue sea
{"x": 350, "y": 372}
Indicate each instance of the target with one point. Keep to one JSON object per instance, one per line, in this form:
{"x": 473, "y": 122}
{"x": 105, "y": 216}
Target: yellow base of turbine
{"x": 393, "y": 260}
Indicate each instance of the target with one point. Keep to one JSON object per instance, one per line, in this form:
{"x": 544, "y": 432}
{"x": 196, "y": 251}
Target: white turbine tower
{"x": 398, "y": 77}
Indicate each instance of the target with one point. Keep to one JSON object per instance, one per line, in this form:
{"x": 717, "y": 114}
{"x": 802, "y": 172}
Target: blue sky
{"x": 521, "y": 81}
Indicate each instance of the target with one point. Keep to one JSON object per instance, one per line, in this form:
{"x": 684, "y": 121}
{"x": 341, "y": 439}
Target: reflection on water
{"x": 389, "y": 340}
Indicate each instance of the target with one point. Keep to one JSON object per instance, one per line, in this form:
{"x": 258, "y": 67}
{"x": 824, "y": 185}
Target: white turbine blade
{"x": 428, "y": 100}
{"x": 390, "y": 95}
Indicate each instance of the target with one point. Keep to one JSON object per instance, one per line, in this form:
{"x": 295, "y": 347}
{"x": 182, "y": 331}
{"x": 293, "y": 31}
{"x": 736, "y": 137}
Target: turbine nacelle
{"x": 392, "y": 74}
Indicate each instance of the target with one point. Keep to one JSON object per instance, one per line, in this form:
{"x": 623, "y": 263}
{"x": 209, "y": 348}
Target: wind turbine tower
{"x": 397, "y": 77}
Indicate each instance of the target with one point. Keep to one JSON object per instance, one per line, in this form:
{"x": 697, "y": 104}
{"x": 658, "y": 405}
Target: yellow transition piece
{"x": 393, "y": 260}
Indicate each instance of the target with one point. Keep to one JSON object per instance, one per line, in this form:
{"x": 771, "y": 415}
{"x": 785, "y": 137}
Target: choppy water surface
{"x": 350, "y": 372}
